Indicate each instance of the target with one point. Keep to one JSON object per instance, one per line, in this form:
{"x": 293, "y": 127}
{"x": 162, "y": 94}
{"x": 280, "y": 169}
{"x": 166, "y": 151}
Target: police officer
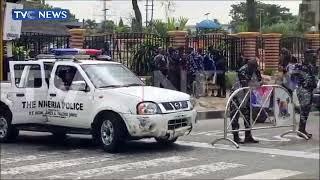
{"x": 246, "y": 76}
{"x": 306, "y": 79}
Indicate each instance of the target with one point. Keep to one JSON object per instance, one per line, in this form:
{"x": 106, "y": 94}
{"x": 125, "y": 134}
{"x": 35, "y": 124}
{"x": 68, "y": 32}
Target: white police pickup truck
{"x": 100, "y": 98}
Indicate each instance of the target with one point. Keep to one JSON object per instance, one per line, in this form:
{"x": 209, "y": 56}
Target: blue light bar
{"x": 65, "y": 51}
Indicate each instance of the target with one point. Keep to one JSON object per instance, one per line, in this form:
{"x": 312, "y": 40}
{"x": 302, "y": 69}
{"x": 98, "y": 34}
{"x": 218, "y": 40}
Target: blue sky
{"x": 194, "y": 10}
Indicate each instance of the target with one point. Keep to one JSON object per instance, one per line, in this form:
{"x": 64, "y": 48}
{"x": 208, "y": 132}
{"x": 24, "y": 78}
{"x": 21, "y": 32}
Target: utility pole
{"x": 149, "y": 10}
{"x": 104, "y": 10}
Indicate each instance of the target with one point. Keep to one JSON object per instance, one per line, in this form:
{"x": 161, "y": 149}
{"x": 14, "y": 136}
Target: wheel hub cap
{"x": 107, "y": 132}
{"x": 3, "y": 127}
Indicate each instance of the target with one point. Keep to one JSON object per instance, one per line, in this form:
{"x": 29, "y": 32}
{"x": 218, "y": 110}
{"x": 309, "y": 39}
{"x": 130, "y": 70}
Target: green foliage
{"x": 107, "y": 26}
{"x": 120, "y": 23}
{"x": 142, "y": 60}
{"x": 161, "y": 28}
{"x": 20, "y": 53}
{"x": 269, "y": 72}
{"x": 271, "y": 14}
{"x": 231, "y": 77}
{"x": 286, "y": 28}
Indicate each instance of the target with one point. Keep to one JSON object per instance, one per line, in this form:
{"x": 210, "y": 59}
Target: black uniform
{"x": 306, "y": 75}
{"x": 245, "y": 74}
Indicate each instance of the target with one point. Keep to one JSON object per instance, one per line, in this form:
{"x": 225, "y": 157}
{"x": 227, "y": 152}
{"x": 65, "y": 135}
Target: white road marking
{"x": 207, "y": 133}
{"x": 53, "y": 165}
{"x": 121, "y": 168}
{"x": 270, "y": 174}
{"x": 300, "y": 154}
{"x": 25, "y": 158}
{"x": 191, "y": 171}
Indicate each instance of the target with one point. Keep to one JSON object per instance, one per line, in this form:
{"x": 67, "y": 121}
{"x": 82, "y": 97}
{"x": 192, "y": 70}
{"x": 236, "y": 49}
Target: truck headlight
{"x": 148, "y": 108}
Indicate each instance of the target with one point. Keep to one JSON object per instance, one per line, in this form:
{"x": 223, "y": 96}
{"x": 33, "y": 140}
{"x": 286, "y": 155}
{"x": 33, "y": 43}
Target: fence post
{"x": 177, "y": 38}
{"x": 314, "y": 42}
{"x": 271, "y": 50}
{"x": 77, "y": 38}
{"x": 249, "y": 45}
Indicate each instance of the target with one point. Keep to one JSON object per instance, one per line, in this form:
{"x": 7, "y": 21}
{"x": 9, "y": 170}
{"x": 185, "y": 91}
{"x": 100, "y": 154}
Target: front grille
{"x": 177, "y": 123}
{"x": 167, "y": 106}
{"x": 175, "y": 105}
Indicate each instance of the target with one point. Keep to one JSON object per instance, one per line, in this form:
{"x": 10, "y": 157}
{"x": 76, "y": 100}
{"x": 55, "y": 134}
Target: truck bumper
{"x": 160, "y": 125}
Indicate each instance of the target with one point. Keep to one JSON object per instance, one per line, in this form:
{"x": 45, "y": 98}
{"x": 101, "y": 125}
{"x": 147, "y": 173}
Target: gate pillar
{"x": 177, "y": 38}
{"x": 314, "y": 43}
{"x": 77, "y": 38}
{"x": 250, "y": 42}
{"x": 271, "y": 50}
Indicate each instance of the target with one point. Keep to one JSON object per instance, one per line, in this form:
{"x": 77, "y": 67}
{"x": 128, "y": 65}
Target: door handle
{"x": 20, "y": 95}
{"x": 53, "y": 95}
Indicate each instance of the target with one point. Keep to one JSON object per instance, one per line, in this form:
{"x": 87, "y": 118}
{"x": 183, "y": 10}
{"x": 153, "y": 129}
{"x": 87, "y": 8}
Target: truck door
{"x": 70, "y": 97}
{"x": 28, "y": 89}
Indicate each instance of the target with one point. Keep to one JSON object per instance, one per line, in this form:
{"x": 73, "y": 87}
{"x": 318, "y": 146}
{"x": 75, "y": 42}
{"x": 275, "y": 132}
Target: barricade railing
{"x": 243, "y": 93}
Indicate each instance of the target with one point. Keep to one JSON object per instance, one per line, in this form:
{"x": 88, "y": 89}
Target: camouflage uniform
{"x": 245, "y": 76}
{"x": 306, "y": 77}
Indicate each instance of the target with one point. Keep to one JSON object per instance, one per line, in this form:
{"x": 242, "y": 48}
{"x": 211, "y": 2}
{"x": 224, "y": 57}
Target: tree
{"x": 251, "y": 15}
{"x": 121, "y": 23}
{"x": 272, "y": 14}
{"x": 137, "y": 21}
{"x": 90, "y": 24}
{"x": 107, "y": 26}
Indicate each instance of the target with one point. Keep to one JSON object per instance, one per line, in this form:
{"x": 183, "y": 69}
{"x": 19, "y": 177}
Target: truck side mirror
{"x": 79, "y": 86}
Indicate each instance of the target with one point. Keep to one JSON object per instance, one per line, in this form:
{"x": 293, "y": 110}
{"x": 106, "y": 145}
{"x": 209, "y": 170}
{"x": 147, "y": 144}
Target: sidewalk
{"x": 210, "y": 107}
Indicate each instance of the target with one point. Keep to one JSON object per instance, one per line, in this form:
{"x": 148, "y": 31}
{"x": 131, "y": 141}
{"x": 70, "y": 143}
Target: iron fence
{"x": 260, "y": 53}
{"x": 295, "y": 45}
{"x": 135, "y": 50}
{"x": 230, "y": 46}
{"x": 37, "y": 43}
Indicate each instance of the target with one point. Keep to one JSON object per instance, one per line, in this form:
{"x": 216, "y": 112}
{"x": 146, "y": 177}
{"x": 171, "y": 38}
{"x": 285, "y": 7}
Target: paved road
{"x": 38, "y": 155}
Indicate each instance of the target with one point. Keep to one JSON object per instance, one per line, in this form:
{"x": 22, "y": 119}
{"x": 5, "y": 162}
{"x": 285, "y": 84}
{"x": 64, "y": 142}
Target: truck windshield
{"x": 111, "y": 75}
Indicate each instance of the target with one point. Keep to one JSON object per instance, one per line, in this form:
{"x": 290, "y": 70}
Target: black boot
{"x": 248, "y": 138}
{"x": 236, "y": 138}
{"x": 302, "y": 129}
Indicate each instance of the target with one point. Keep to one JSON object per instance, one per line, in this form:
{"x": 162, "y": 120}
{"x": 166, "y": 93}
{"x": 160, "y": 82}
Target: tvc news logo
{"x": 52, "y": 14}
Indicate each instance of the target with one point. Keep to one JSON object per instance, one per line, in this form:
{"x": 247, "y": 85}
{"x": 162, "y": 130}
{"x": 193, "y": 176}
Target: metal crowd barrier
{"x": 247, "y": 91}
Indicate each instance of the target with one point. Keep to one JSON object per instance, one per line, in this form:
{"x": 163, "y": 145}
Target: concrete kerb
{"x": 205, "y": 115}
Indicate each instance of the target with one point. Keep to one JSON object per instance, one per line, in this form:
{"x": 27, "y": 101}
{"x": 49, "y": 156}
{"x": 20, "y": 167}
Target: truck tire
{"x": 8, "y": 132}
{"x": 110, "y": 132}
{"x": 166, "y": 141}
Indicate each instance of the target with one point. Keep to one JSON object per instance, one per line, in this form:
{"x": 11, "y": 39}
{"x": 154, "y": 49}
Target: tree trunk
{"x": 251, "y": 15}
{"x": 138, "y": 17}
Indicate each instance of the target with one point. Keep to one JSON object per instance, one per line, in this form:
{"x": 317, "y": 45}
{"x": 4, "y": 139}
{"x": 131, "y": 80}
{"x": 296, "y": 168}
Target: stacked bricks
{"x": 249, "y": 45}
{"x": 314, "y": 43}
{"x": 272, "y": 50}
{"x": 77, "y": 38}
{"x": 178, "y": 38}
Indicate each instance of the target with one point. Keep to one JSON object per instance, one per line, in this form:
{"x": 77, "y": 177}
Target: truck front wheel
{"x": 110, "y": 132}
{"x": 8, "y": 132}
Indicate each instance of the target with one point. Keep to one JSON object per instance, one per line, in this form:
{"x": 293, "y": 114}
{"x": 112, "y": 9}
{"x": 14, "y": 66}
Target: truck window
{"x": 27, "y": 75}
{"x": 65, "y": 76}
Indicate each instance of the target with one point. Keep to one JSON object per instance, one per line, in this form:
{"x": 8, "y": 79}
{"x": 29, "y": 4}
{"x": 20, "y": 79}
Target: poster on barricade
{"x": 260, "y": 97}
{"x": 283, "y": 108}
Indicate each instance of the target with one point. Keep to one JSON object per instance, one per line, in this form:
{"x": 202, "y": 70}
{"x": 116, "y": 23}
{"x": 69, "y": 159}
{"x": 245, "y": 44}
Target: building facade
{"x": 309, "y": 12}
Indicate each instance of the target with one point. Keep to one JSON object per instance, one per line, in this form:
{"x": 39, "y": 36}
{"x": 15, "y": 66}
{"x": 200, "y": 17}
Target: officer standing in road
{"x": 306, "y": 76}
{"x": 246, "y": 76}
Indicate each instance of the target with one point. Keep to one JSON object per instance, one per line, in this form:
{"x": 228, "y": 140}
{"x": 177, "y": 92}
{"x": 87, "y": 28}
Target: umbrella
{"x": 208, "y": 24}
